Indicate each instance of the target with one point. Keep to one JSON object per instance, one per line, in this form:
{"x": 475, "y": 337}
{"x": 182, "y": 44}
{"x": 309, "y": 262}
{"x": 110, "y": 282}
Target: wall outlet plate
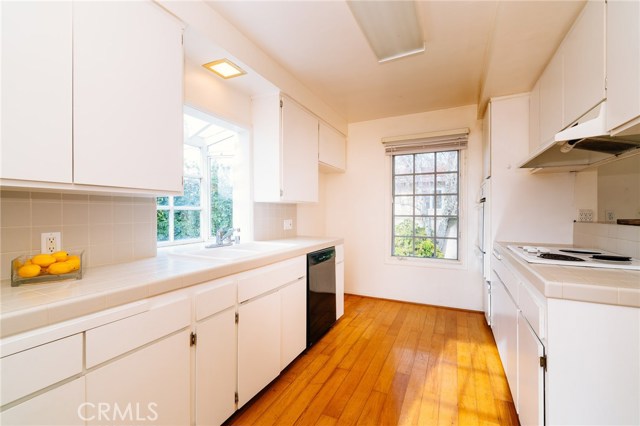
{"x": 585, "y": 215}
{"x": 609, "y": 216}
{"x": 50, "y": 242}
{"x": 288, "y": 224}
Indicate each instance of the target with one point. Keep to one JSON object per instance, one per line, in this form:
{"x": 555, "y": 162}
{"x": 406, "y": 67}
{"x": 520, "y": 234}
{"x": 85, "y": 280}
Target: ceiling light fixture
{"x": 224, "y": 68}
{"x": 392, "y": 28}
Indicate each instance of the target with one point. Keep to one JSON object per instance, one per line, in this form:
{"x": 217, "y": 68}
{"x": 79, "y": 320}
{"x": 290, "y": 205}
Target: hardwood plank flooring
{"x": 391, "y": 363}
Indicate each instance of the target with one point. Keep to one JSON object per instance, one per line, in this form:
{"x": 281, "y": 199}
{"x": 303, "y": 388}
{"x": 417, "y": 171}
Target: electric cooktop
{"x": 571, "y": 256}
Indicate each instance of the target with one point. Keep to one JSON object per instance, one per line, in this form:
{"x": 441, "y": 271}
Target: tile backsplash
{"x": 621, "y": 239}
{"x": 111, "y": 229}
{"x": 268, "y": 221}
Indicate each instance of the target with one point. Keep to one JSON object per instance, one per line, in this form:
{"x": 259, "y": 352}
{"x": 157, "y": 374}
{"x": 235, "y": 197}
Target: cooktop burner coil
{"x": 562, "y": 257}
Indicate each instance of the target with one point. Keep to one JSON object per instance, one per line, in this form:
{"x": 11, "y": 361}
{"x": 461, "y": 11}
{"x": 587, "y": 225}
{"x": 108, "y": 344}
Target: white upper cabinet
{"x": 584, "y": 62}
{"x": 92, "y": 96}
{"x": 331, "y": 149}
{"x": 285, "y": 151}
{"x": 623, "y": 65}
{"x": 534, "y": 118}
{"x": 127, "y": 95}
{"x": 551, "y": 102}
{"x": 36, "y": 91}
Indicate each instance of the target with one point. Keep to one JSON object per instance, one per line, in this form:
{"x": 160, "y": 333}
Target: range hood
{"x": 585, "y": 143}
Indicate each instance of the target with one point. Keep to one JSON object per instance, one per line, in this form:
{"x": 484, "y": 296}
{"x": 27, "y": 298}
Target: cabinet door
{"x": 584, "y": 62}
{"x": 36, "y": 91}
{"x": 216, "y": 356}
{"x": 486, "y": 144}
{"x": 59, "y": 406}
{"x": 151, "y": 385}
{"x": 505, "y": 331}
{"x": 127, "y": 96}
{"x": 294, "y": 321}
{"x": 258, "y": 345}
{"x": 530, "y": 376}
{"x": 534, "y": 118}
{"x": 623, "y": 62}
{"x": 551, "y": 102}
{"x": 299, "y": 154}
{"x": 331, "y": 148}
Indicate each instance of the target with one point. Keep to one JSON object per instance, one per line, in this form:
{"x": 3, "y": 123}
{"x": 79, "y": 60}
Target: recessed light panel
{"x": 224, "y": 68}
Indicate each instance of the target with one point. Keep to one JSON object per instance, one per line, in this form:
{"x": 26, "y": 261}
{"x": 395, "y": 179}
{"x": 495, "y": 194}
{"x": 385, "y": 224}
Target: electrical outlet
{"x": 609, "y": 216}
{"x": 50, "y": 242}
{"x": 288, "y": 224}
{"x": 585, "y": 215}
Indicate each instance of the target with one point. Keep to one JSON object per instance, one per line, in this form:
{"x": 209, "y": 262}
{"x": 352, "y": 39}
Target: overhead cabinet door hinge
{"x": 236, "y": 397}
{"x": 193, "y": 339}
{"x": 237, "y": 317}
{"x": 281, "y": 103}
{"x": 543, "y": 362}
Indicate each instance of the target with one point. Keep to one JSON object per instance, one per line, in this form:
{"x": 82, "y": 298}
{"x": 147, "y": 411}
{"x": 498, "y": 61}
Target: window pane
{"x": 447, "y": 161}
{"x": 447, "y": 183}
{"x": 162, "y": 229}
{"x": 186, "y": 224}
{"x": 447, "y": 227}
{"x": 162, "y": 201}
{"x": 424, "y": 205}
{"x": 425, "y": 248}
{"x": 424, "y": 184}
{"x": 403, "y": 164}
{"x": 221, "y": 194}
{"x": 192, "y": 161}
{"x": 403, "y": 246}
{"x": 424, "y": 226}
{"x": 403, "y": 185}
{"x": 425, "y": 163}
{"x": 447, "y": 205}
{"x": 403, "y": 226}
{"x": 403, "y": 206}
{"x": 191, "y": 195}
{"x": 447, "y": 248}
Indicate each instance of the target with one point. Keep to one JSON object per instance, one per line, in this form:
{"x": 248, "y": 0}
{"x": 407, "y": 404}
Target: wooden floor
{"x": 391, "y": 363}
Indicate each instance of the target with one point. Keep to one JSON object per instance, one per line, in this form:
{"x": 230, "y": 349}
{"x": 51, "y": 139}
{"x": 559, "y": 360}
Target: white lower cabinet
{"x": 258, "y": 344}
{"x": 293, "y": 320}
{"x": 63, "y": 406}
{"x": 339, "y": 281}
{"x": 216, "y": 358}
{"x": 530, "y": 375}
{"x": 150, "y": 385}
{"x": 505, "y": 331}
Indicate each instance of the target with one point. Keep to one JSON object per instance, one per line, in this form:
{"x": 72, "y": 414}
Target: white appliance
{"x": 579, "y": 257}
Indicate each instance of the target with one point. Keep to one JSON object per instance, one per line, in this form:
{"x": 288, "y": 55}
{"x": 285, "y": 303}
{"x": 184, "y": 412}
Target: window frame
{"x": 431, "y": 262}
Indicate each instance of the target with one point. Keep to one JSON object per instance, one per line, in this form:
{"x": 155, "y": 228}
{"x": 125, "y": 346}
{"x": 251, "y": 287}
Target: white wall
{"x": 619, "y": 189}
{"x": 355, "y": 209}
{"x": 312, "y": 216}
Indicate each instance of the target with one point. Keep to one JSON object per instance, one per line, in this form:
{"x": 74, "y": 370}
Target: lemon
{"x": 43, "y": 260}
{"x": 74, "y": 261}
{"x": 60, "y": 256}
{"x": 29, "y": 271}
{"x": 59, "y": 268}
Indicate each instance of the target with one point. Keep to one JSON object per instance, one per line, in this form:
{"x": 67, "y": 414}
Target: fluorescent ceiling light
{"x": 224, "y": 68}
{"x": 391, "y": 27}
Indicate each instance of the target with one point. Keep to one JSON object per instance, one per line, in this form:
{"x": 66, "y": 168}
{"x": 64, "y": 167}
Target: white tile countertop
{"x": 597, "y": 285}
{"x": 36, "y": 305}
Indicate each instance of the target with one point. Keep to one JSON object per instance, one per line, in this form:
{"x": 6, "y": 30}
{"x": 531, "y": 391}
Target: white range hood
{"x": 585, "y": 143}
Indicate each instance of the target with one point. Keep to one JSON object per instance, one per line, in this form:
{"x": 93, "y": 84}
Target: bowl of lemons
{"x": 44, "y": 267}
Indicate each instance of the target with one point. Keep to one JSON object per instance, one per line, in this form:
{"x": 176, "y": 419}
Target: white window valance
{"x": 426, "y": 142}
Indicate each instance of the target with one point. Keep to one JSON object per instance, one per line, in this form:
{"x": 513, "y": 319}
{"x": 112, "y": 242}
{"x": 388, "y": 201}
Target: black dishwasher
{"x": 321, "y": 293}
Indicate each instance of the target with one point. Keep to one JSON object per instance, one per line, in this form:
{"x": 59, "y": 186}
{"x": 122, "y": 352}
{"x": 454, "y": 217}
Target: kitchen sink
{"x": 234, "y": 252}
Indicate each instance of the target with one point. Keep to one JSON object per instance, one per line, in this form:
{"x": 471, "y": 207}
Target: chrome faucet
{"x": 221, "y": 236}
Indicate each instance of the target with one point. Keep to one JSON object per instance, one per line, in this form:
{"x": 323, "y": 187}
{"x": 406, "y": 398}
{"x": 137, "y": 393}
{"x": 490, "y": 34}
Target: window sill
{"x": 425, "y": 262}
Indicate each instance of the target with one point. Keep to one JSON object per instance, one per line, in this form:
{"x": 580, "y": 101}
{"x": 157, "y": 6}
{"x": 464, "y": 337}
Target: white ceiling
{"x": 474, "y": 50}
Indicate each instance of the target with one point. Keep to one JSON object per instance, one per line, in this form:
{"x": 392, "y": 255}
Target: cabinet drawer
{"x": 506, "y": 276}
{"x": 270, "y": 277}
{"x": 34, "y": 369}
{"x": 533, "y": 311}
{"x": 215, "y": 297}
{"x": 165, "y": 315}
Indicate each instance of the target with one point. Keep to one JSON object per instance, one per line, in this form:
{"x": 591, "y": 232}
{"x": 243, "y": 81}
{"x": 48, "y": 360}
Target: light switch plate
{"x": 585, "y": 215}
{"x": 288, "y": 224}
